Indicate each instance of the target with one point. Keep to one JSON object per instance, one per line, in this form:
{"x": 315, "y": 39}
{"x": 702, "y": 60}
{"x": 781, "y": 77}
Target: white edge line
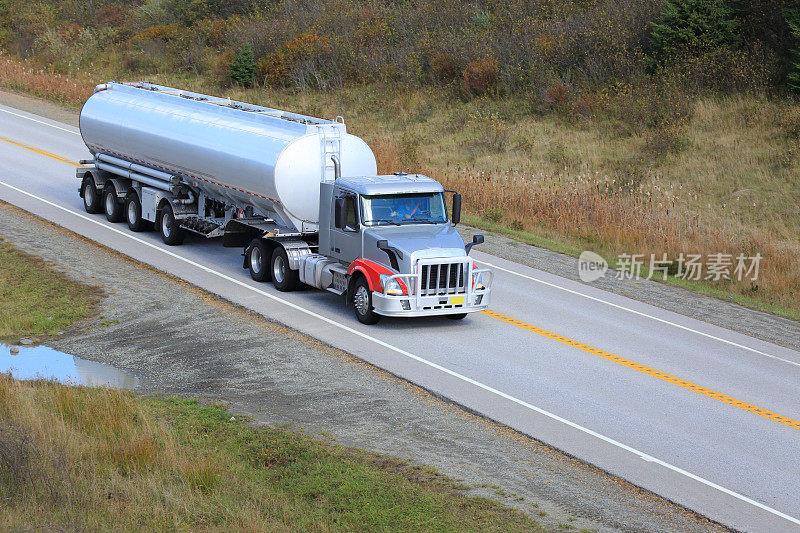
{"x": 640, "y": 313}
{"x": 440, "y": 368}
{"x": 40, "y": 122}
{"x": 664, "y": 321}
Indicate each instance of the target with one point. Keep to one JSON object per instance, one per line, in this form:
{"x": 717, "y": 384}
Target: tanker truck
{"x": 299, "y": 195}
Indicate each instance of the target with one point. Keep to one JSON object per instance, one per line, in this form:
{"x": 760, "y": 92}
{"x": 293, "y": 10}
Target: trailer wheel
{"x": 171, "y": 232}
{"x": 111, "y": 205}
{"x": 457, "y": 316}
{"x": 92, "y": 200}
{"x": 361, "y": 297}
{"x": 258, "y": 259}
{"x": 284, "y": 278}
{"x": 133, "y": 213}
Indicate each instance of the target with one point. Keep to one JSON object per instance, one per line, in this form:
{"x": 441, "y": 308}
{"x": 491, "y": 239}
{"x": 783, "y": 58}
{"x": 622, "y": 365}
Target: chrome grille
{"x": 445, "y": 278}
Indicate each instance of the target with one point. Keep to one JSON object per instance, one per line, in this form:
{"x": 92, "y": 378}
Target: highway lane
{"x": 732, "y": 462}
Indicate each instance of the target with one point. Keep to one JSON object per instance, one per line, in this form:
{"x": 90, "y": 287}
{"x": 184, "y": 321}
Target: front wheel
{"x": 284, "y": 278}
{"x": 171, "y": 233}
{"x": 362, "y": 302}
{"x": 92, "y": 200}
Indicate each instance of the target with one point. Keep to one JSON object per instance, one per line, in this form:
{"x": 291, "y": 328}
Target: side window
{"x": 350, "y": 211}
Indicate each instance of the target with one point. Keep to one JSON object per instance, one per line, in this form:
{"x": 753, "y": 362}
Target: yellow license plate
{"x": 455, "y": 300}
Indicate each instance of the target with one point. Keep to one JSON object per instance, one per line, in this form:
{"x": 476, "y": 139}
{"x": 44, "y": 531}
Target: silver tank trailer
{"x": 251, "y": 155}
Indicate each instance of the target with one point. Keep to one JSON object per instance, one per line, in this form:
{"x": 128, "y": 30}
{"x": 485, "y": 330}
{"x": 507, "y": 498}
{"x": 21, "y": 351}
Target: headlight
{"x": 392, "y": 286}
{"x": 477, "y": 281}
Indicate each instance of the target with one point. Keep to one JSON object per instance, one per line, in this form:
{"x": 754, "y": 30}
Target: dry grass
{"x": 17, "y": 75}
{"x": 78, "y": 458}
{"x": 724, "y": 177}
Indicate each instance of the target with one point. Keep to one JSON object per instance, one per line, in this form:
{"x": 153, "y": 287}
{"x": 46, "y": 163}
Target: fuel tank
{"x": 252, "y": 155}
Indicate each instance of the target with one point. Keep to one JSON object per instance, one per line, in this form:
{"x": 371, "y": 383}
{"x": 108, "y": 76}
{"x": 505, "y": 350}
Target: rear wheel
{"x": 457, "y": 316}
{"x": 258, "y": 257}
{"x": 284, "y": 278}
{"x": 362, "y": 302}
{"x": 133, "y": 213}
{"x": 92, "y": 201}
{"x": 111, "y": 205}
{"x": 171, "y": 233}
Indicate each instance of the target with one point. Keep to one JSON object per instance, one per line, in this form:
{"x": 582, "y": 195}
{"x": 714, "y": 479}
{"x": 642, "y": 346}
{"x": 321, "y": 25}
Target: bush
{"x": 298, "y": 62}
{"x": 793, "y": 79}
{"x": 481, "y": 75}
{"x": 493, "y": 213}
{"x": 693, "y": 27}
{"x": 243, "y": 67}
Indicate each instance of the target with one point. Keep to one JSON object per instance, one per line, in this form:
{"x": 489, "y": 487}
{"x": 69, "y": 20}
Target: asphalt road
{"x": 699, "y": 414}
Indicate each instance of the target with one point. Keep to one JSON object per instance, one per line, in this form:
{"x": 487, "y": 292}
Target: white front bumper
{"x": 438, "y": 286}
{"x": 428, "y": 305}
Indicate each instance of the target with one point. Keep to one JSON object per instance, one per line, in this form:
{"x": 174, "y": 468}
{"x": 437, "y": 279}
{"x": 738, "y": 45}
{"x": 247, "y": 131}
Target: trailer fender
{"x": 372, "y": 271}
{"x": 121, "y": 186}
{"x": 92, "y": 174}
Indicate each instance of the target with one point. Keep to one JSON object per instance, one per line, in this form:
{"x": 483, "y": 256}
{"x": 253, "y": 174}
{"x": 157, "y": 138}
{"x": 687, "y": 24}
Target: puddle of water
{"x": 41, "y": 362}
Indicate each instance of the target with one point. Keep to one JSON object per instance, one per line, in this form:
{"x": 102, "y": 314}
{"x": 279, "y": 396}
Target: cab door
{"x": 345, "y": 240}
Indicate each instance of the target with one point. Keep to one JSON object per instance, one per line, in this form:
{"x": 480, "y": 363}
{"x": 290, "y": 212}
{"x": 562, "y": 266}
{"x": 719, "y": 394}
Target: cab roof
{"x": 391, "y": 184}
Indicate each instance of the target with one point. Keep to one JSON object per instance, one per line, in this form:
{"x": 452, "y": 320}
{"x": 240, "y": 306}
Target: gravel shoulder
{"x": 178, "y": 339}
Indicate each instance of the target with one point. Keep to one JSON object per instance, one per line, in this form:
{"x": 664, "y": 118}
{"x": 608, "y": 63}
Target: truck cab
{"x": 402, "y": 252}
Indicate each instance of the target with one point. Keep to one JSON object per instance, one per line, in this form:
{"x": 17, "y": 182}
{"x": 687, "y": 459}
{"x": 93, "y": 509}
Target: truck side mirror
{"x": 476, "y": 239}
{"x": 339, "y": 214}
{"x": 456, "y": 208}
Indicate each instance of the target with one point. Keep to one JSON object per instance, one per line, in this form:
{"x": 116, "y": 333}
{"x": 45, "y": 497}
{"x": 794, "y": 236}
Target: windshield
{"x": 419, "y": 208}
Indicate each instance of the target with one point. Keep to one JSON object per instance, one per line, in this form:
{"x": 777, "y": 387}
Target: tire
{"x": 111, "y": 206}
{"x": 171, "y": 232}
{"x": 92, "y": 199}
{"x": 457, "y": 316}
{"x": 133, "y": 213}
{"x": 361, "y": 298}
{"x": 258, "y": 260}
{"x": 284, "y": 278}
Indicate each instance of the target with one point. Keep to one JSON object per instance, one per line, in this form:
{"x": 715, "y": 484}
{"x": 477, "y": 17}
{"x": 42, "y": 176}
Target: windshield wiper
{"x": 424, "y": 220}
{"x": 381, "y": 220}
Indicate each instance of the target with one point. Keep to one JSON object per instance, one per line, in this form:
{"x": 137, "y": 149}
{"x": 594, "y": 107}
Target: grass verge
{"x": 84, "y": 458}
{"x": 36, "y": 299}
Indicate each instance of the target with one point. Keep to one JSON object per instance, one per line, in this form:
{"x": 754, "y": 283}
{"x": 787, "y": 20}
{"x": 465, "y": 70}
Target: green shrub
{"x": 692, "y": 27}
{"x": 493, "y": 213}
{"x": 243, "y": 67}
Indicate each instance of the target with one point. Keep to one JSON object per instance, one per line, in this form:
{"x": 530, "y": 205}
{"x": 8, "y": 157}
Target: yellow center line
{"x": 554, "y": 336}
{"x": 41, "y": 152}
{"x": 647, "y": 370}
